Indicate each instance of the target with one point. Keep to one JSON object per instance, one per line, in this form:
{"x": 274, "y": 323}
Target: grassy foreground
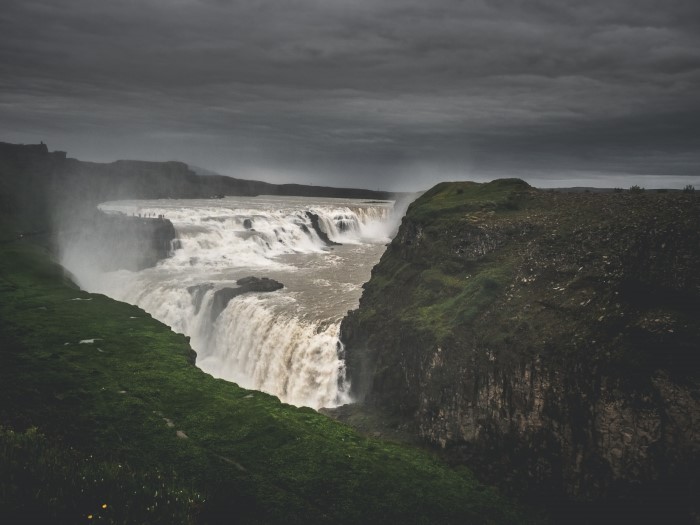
{"x": 103, "y": 417}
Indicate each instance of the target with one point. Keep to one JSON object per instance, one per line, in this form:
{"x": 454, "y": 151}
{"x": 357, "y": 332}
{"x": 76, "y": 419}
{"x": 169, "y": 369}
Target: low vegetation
{"x": 104, "y": 417}
{"x": 450, "y": 287}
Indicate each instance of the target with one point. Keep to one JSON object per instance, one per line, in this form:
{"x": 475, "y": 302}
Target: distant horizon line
{"x": 586, "y": 179}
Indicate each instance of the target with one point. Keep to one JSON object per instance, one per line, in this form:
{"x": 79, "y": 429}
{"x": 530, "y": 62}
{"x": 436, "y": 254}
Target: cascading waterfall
{"x": 282, "y": 342}
{"x": 276, "y": 353}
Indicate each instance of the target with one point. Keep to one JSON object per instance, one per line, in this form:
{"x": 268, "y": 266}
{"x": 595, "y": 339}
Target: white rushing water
{"x": 283, "y": 342}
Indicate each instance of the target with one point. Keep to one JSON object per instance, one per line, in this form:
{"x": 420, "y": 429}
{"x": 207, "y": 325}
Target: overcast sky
{"x": 390, "y": 94}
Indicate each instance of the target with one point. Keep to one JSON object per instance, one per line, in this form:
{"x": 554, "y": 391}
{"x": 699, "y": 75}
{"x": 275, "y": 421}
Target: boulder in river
{"x": 245, "y": 285}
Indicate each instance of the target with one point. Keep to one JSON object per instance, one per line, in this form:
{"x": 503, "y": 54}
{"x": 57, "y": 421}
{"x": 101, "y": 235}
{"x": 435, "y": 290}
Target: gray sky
{"x": 390, "y": 94}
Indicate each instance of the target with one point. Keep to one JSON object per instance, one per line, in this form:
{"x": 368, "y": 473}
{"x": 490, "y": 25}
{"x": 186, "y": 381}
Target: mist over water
{"x": 283, "y": 342}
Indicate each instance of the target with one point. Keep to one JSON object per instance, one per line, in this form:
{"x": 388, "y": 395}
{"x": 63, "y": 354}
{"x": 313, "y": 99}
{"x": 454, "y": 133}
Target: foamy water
{"x": 283, "y": 342}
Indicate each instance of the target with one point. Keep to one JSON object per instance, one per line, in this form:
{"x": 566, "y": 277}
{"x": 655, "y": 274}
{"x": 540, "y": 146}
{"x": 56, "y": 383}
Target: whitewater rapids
{"x": 284, "y": 342}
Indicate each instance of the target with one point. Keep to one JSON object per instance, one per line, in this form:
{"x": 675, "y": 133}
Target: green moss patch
{"x": 115, "y": 399}
{"x": 448, "y": 198}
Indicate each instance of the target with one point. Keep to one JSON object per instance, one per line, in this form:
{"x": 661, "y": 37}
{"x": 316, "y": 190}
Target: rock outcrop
{"x": 116, "y": 242}
{"x": 245, "y": 285}
{"x": 315, "y": 224}
{"x": 548, "y": 339}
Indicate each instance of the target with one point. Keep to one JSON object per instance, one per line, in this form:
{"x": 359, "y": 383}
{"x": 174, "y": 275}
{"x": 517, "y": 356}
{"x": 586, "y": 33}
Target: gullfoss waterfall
{"x": 281, "y": 341}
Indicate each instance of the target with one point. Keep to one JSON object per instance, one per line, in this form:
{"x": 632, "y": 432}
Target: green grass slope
{"x": 103, "y": 416}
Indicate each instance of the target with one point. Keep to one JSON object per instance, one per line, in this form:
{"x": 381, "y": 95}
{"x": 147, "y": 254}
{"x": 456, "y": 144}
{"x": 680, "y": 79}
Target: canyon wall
{"x": 548, "y": 339}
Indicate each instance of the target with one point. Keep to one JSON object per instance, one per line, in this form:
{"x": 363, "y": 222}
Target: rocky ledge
{"x": 116, "y": 241}
{"x": 224, "y": 295}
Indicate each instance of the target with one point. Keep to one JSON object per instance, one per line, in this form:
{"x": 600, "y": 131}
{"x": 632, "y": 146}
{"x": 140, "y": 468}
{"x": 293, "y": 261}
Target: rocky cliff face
{"x": 549, "y": 339}
{"x": 116, "y": 242}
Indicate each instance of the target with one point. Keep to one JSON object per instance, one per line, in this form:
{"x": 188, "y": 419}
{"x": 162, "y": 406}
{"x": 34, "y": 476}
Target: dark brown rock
{"x": 317, "y": 228}
{"x": 245, "y": 285}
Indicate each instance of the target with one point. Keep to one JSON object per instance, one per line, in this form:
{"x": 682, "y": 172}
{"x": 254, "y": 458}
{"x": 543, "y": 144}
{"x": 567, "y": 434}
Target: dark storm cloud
{"x": 379, "y": 93}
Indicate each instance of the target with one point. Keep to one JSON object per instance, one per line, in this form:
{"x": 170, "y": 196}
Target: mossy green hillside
{"x": 466, "y": 248}
{"x": 446, "y": 199}
{"x": 116, "y": 397}
{"x": 440, "y": 288}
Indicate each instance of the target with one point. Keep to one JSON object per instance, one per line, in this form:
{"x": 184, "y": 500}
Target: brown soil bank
{"x": 548, "y": 339}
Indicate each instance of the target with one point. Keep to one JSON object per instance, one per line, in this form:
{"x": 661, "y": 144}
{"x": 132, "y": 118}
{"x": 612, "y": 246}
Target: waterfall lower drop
{"x": 277, "y": 353}
{"x": 282, "y": 342}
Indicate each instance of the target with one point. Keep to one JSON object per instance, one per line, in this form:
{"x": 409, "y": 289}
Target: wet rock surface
{"x": 317, "y": 228}
{"x": 198, "y": 291}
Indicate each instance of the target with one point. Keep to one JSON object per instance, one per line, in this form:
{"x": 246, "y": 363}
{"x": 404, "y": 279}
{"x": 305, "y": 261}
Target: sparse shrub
{"x": 618, "y": 190}
{"x": 636, "y": 189}
{"x": 689, "y": 189}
